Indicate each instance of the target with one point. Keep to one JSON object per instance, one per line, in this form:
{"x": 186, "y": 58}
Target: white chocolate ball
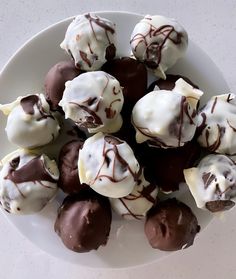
{"x": 138, "y": 202}
{"x": 90, "y": 40}
{"x": 108, "y": 165}
{"x": 217, "y": 123}
{"x": 94, "y": 100}
{"x": 30, "y": 123}
{"x": 167, "y": 118}
{"x": 28, "y": 181}
{"x": 213, "y": 182}
{"x": 159, "y": 42}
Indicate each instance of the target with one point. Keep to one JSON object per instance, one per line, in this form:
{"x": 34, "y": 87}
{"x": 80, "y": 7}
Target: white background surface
{"x": 212, "y": 25}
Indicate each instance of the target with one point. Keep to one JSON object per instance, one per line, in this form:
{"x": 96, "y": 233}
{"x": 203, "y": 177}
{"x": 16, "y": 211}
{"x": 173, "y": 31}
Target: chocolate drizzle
{"x": 154, "y": 49}
{"x": 28, "y": 103}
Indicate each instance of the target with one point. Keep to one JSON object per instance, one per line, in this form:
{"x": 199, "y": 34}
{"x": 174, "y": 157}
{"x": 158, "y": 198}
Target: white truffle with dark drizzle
{"x": 217, "y": 124}
{"x": 159, "y": 42}
{"x": 90, "y": 40}
{"x": 30, "y": 122}
{"x": 138, "y": 202}
{"x": 166, "y": 118}
{"x": 213, "y": 182}
{"x": 108, "y": 165}
{"x": 94, "y": 101}
{"x": 28, "y": 181}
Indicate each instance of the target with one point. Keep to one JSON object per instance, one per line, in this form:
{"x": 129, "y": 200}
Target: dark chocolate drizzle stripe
{"x": 130, "y": 213}
{"x": 28, "y": 103}
{"x": 232, "y": 127}
{"x": 106, "y": 161}
{"x": 32, "y": 171}
{"x": 214, "y": 104}
{"x": 100, "y": 23}
{"x": 110, "y": 113}
{"x": 165, "y": 31}
{"x": 215, "y": 145}
{"x": 145, "y": 193}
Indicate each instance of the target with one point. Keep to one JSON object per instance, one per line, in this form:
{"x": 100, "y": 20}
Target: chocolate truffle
{"x": 159, "y": 42}
{"x": 167, "y": 118}
{"x": 169, "y": 83}
{"x": 55, "y": 81}
{"x": 217, "y": 124}
{"x": 108, "y": 165}
{"x": 68, "y": 166}
{"x": 132, "y": 76}
{"x": 90, "y": 40}
{"x": 94, "y": 101}
{"x": 213, "y": 182}
{"x": 83, "y": 221}
{"x": 28, "y": 181}
{"x": 30, "y": 122}
{"x": 165, "y": 167}
{"x": 171, "y": 226}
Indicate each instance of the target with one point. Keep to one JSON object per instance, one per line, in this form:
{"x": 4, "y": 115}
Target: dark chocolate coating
{"x": 131, "y": 74}
{"x": 171, "y": 226}
{"x": 219, "y": 205}
{"x": 169, "y": 82}
{"x": 164, "y": 167}
{"x": 68, "y": 166}
{"x": 83, "y": 221}
{"x": 55, "y": 81}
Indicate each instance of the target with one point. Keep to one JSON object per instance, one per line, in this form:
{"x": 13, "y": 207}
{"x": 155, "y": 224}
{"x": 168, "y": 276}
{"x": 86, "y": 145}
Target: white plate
{"x": 25, "y": 73}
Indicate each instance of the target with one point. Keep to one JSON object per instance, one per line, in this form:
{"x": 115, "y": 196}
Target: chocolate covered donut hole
{"x": 83, "y": 221}
{"x": 171, "y": 226}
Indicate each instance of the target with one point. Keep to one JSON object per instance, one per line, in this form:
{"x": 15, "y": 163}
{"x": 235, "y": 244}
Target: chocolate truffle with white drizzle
{"x": 217, "y": 124}
{"x": 159, "y": 42}
{"x": 28, "y": 181}
{"x": 108, "y": 165}
{"x": 30, "y": 123}
{"x": 94, "y": 101}
{"x": 90, "y": 40}
{"x": 167, "y": 118}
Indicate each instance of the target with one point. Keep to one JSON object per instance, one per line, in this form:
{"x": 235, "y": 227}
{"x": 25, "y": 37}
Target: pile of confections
{"x": 138, "y": 141}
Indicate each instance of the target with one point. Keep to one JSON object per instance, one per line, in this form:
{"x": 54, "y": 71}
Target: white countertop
{"x": 212, "y": 25}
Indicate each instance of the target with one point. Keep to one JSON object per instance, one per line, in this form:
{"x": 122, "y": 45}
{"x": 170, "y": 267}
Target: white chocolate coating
{"x": 138, "y": 202}
{"x": 159, "y": 42}
{"x": 94, "y": 101}
{"x": 167, "y": 118}
{"x": 213, "y": 179}
{"x": 87, "y": 39}
{"x": 217, "y": 122}
{"x": 28, "y": 195}
{"x": 110, "y": 169}
{"x": 30, "y": 123}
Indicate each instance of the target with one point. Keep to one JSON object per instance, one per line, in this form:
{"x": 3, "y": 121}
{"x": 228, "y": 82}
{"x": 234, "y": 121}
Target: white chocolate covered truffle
{"x": 28, "y": 181}
{"x": 94, "y": 100}
{"x": 217, "y": 124}
{"x": 108, "y": 165}
{"x": 167, "y": 118}
{"x": 213, "y": 182}
{"x": 159, "y": 42}
{"x": 90, "y": 40}
{"x": 30, "y": 123}
{"x": 138, "y": 202}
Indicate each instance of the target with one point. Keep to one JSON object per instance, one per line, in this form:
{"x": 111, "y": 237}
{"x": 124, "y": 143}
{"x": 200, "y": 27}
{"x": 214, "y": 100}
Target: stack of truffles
{"x": 140, "y": 140}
